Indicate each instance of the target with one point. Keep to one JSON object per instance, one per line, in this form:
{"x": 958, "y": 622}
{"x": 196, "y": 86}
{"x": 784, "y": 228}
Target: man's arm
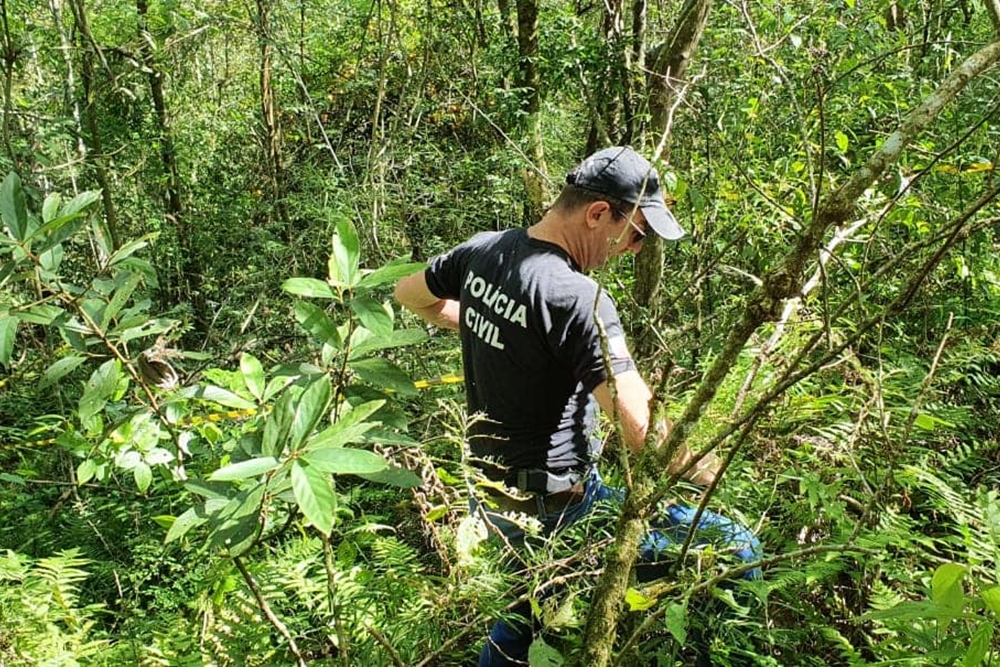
{"x": 632, "y": 412}
{"x": 413, "y": 294}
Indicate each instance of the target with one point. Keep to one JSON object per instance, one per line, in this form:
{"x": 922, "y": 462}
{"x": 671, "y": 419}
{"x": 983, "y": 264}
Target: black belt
{"x": 534, "y": 480}
{"x": 553, "y": 502}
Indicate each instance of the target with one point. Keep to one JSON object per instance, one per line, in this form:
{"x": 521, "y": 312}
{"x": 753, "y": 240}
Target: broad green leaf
{"x": 86, "y": 471}
{"x": 390, "y": 273}
{"x": 345, "y": 256}
{"x": 915, "y": 611}
{"x": 310, "y": 409}
{"x": 244, "y": 469}
{"x": 946, "y": 586}
{"x": 991, "y": 596}
{"x": 185, "y": 522}
{"x": 924, "y": 422}
{"x": 636, "y": 601}
{"x": 50, "y": 207}
{"x": 99, "y": 388}
{"x": 842, "y": 141}
{"x": 77, "y": 204}
{"x": 8, "y": 332}
{"x": 309, "y": 287}
{"x": 382, "y": 374}
{"x": 126, "y": 284}
{"x": 59, "y": 370}
{"x": 394, "y": 476}
{"x": 676, "y": 618}
{"x": 277, "y": 424}
{"x": 345, "y": 461}
{"x": 44, "y": 314}
{"x": 314, "y": 495}
{"x": 253, "y": 375}
{"x": 979, "y": 645}
{"x": 399, "y": 338}
{"x": 143, "y": 476}
{"x": 223, "y": 397}
{"x": 131, "y": 248}
{"x": 13, "y": 209}
{"x": 372, "y": 315}
{"x": 314, "y": 319}
{"x": 541, "y": 654}
{"x": 236, "y": 525}
{"x": 349, "y": 427}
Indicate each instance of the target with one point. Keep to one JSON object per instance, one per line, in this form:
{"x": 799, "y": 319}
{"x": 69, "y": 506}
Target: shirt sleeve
{"x": 445, "y": 273}
{"x": 580, "y": 342}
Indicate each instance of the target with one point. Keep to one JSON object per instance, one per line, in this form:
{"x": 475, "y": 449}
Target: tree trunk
{"x": 669, "y": 64}
{"x": 269, "y": 115}
{"x": 92, "y": 135}
{"x": 764, "y": 305}
{"x": 9, "y": 58}
{"x": 189, "y": 289}
{"x": 528, "y": 80}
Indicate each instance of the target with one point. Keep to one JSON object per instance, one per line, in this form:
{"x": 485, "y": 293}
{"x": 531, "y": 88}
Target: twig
{"x": 268, "y": 613}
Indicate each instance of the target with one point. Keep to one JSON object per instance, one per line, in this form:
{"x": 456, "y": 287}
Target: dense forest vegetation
{"x": 222, "y": 443}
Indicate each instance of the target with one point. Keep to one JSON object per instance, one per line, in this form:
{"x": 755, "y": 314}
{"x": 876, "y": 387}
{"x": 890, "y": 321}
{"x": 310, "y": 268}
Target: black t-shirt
{"x": 531, "y": 349}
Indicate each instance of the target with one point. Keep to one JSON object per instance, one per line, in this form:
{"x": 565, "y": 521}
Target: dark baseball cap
{"x": 622, "y": 173}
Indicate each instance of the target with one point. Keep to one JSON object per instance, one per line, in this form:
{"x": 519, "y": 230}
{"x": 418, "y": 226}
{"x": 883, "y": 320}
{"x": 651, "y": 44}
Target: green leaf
{"x": 400, "y": 338}
{"x": 236, "y": 525}
{"x": 636, "y": 601}
{"x": 979, "y": 645}
{"x": 77, "y": 204}
{"x": 349, "y": 427}
{"x": 314, "y": 319}
{"x": 194, "y": 516}
{"x": 223, "y": 397}
{"x": 44, "y": 314}
{"x": 126, "y": 284}
{"x": 277, "y": 425}
{"x": 345, "y": 461}
{"x": 372, "y": 315}
{"x": 99, "y": 388}
{"x": 309, "y": 287}
{"x": 390, "y": 273}
{"x": 676, "y": 618}
{"x": 86, "y": 471}
{"x": 131, "y": 248}
{"x": 13, "y": 209}
{"x": 842, "y": 141}
{"x": 253, "y": 375}
{"x": 946, "y": 586}
{"x": 394, "y": 476}
{"x": 50, "y": 207}
{"x": 924, "y": 422}
{"x": 310, "y": 410}
{"x": 143, "y": 476}
{"x": 382, "y": 374}
{"x": 345, "y": 256}
{"x": 991, "y": 596}
{"x": 541, "y": 654}
{"x": 59, "y": 370}
{"x": 8, "y": 333}
{"x": 314, "y": 495}
{"x": 244, "y": 469}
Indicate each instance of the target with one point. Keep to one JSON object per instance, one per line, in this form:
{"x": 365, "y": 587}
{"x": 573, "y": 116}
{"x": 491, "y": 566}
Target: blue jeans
{"x": 509, "y": 641}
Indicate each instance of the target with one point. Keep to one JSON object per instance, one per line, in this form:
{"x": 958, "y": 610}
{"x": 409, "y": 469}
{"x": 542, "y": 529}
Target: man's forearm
{"x": 443, "y": 314}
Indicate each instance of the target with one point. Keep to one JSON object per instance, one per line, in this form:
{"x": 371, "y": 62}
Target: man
{"x": 543, "y": 347}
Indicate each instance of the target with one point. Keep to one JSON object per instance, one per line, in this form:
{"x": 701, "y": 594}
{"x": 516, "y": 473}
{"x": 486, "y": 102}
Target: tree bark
{"x": 190, "y": 271}
{"x": 9, "y": 57}
{"x": 668, "y": 67}
{"x": 269, "y": 115}
{"x": 764, "y": 305}
{"x": 529, "y": 81}
{"x": 92, "y": 136}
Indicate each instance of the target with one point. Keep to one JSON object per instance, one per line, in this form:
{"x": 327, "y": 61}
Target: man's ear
{"x": 595, "y": 212}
